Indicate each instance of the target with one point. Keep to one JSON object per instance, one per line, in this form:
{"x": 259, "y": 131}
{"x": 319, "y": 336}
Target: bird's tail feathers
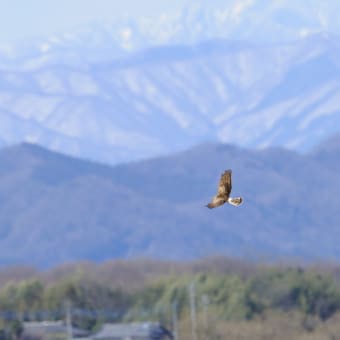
{"x": 236, "y": 201}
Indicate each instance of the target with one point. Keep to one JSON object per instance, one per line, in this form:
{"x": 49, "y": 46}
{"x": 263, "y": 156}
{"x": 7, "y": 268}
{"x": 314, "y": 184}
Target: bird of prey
{"x": 223, "y": 193}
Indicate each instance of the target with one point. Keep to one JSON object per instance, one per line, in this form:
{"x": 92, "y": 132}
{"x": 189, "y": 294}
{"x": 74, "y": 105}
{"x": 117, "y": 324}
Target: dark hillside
{"x": 56, "y": 208}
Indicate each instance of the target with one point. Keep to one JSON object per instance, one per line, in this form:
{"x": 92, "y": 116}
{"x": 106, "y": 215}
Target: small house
{"x": 49, "y": 330}
{"x": 133, "y": 331}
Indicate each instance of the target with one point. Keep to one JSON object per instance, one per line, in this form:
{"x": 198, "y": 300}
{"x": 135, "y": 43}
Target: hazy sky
{"x": 21, "y": 19}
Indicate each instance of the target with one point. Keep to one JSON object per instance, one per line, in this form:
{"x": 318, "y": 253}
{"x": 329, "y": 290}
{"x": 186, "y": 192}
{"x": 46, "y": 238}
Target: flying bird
{"x": 223, "y": 193}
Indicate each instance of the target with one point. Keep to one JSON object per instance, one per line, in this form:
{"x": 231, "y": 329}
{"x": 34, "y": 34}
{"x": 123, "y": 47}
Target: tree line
{"x": 230, "y": 295}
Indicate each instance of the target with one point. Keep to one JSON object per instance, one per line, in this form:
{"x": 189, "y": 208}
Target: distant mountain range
{"x": 241, "y": 20}
{"x": 55, "y": 208}
{"x": 169, "y": 98}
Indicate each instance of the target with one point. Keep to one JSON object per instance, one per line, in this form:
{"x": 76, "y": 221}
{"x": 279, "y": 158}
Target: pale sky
{"x": 22, "y": 19}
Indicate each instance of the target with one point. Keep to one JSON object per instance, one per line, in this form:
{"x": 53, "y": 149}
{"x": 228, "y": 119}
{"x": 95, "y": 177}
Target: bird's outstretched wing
{"x": 224, "y": 186}
{"x": 215, "y": 202}
{"x": 223, "y": 192}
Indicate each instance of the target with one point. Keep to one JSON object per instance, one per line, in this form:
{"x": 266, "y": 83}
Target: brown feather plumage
{"x": 223, "y": 192}
{"x": 224, "y": 186}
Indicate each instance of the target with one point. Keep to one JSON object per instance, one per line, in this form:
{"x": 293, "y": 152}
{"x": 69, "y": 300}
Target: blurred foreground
{"x": 215, "y": 298}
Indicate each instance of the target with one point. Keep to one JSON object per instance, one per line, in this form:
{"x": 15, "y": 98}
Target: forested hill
{"x": 55, "y": 208}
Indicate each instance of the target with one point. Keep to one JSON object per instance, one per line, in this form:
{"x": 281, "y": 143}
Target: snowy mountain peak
{"x": 146, "y": 86}
{"x": 246, "y": 20}
{"x": 168, "y": 98}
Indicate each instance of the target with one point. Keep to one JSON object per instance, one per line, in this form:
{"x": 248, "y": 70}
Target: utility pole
{"x": 175, "y": 320}
{"x": 68, "y": 320}
{"x": 192, "y": 296}
{"x": 205, "y": 303}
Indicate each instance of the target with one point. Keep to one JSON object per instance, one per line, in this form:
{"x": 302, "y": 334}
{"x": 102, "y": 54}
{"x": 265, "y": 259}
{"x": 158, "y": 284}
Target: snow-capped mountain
{"x": 168, "y": 98}
{"x": 246, "y": 20}
{"x": 146, "y": 86}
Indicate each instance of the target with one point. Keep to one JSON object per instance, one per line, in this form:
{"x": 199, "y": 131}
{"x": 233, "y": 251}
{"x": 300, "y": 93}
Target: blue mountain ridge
{"x": 55, "y": 208}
